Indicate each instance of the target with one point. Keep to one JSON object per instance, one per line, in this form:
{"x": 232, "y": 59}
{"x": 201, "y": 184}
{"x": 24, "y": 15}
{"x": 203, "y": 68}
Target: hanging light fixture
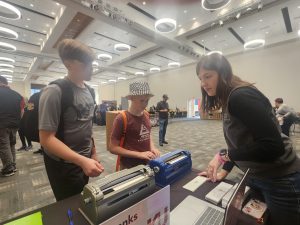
{"x": 122, "y": 47}
{"x": 7, "y": 76}
{"x": 5, "y": 59}
{"x": 165, "y": 25}
{"x": 6, "y": 65}
{"x": 139, "y": 73}
{"x": 174, "y": 64}
{"x": 254, "y": 44}
{"x": 6, "y": 70}
{"x": 154, "y": 69}
{"x": 104, "y": 57}
{"x": 212, "y": 5}
{"x": 8, "y": 11}
{"x": 7, "y": 47}
{"x": 8, "y": 33}
{"x": 122, "y": 78}
{"x": 214, "y": 52}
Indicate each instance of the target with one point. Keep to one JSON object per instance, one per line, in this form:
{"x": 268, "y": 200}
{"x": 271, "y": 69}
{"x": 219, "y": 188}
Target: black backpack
{"x": 30, "y": 119}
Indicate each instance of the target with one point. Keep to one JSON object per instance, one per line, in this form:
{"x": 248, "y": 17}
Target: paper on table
{"x": 33, "y": 219}
{"x": 194, "y": 184}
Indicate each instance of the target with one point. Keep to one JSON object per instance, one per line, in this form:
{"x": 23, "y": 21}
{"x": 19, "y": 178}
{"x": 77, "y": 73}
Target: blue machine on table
{"x": 171, "y": 166}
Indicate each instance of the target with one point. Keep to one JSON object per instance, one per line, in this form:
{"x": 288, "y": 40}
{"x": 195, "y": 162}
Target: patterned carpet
{"x": 29, "y": 188}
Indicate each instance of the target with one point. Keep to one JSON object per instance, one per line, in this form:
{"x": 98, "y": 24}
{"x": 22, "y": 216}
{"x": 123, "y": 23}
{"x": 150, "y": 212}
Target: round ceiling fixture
{"x": 165, "y": 25}
{"x": 174, "y": 64}
{"x": 8, "y": 33}
{"x": 5, "y": 59}
{"x": 214, "y": 52}
{"x": 254, "y": 44}
{"x": 112, "y": 81}
{"x": 6, "y": 65}
{"x": 95, "y": 64}
{"x": 122, "y": 78}
{"x": 7, "y": 76}
{"x": 7, "y": 47}
{"x": 8, "y": 11}
{"x": 104, "y": 57}
{"x": 212, "y": 5}
{"x": 6, "y": 70}
{"x": 122, "y": 47}
{"x": 104, "y": 82}
{"x": 154, "y": 69}
{"x": 139, "y": 73}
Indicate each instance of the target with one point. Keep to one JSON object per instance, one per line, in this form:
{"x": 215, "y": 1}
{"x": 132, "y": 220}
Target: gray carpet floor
{"x": 29, "y": 188}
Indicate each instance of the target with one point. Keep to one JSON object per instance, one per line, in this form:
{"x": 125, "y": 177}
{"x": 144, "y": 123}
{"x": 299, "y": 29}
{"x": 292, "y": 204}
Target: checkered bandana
{"x": 139, "y": 88}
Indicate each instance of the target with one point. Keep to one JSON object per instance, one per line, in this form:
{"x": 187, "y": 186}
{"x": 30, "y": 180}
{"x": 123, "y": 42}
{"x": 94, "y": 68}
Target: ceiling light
{"x": 112, "y": 80}
{"x": 9, "y": 11}
{"x": 6, "y": 70}
{"x": 154, "y": 69}
{"x": 7, "y": 47}
{"x": 298, "y": 7}
{"x": 122, "y": 47}
{"x": 28, "y": 19}
{"x": 221, "y": 23}
{"x": 179, "y": 25}
{"x": 7, "y": 76}
{"x": 211, "y": 6}
{"x": 6, "y": 65}
{"x": 165, "y": 25}
{"x": 144, "y": 3}
{"x": 241, "y": 27}
{"x": 95, "y": 64}
{"x": 194, "y": 18}
{"x": 254, "y": 44}
{"x": 8, "y": 33}
{"x": 104, "y": 57}
{"x": 185, "y": 11}
{"x": 139, "y": 73}
{"x": 5, "y": 59}
{"x": 26, "y": 26}
{"x": 44, "y": 31}
{"x": 57, "y": 3}
{"x": 31, "y": 5}
{"x": 173, "y": 64}
{"x": 248, "y": 9}
{"x": 104, "y": 82}
{"x": 214, "y": 52}
{"x": 238, "y": 15}
{"x": 47, "y": 25}
{"x": 267, "y": 32}
{"x": 298, "y": 32}
{"x": 121, "y": 78}
{"x": 260, "y": 20}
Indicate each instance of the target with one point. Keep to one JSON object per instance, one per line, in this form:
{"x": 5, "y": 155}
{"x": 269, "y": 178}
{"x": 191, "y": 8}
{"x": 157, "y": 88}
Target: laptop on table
{"x": 194, "y": 211}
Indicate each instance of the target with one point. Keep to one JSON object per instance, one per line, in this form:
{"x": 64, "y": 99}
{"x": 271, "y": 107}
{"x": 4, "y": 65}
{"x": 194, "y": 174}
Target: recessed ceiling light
{"x": 298, "y": 32}
{"x": 202, "y": 40}
{"x": 185, "y": 11}
{"x": 8, "y": 33}
{"x": 41, "y": 39}
{"x": 144, "y": 3}
{"x": 7, "y": 47}
{"x": 112, "y": 80}
{"x": 241, "y": 27}
{"x": 214, "y": 5}
{"x": 10, "y": 12}
{"x": 254, "y": 44}
{"x": 28, "y": 19}
{"x": 121, "y": 78}
{"x": 7, "y": 76}
{"x": 122, "y": 47}
{"x": 26, "y": 26}
{"x": 5, "y": 59}
{"x": 298, "y": 7}
{"x": 104, "y": 57}
{"x": 95, "y": 64}
{"x": 179, "y": 25}
{"x": 165, "y": 25}
{"x": 53, "y": 13}
{"x": 6, "y": 65}
{"x": 44, "y": 31}
{"x": 248, "y": 9}
{"x": 47, "y": 25}
{"x": 57, "y": 3}
{"x": 31, "y": 5}
{"x": 260, "y": 20}
{"x": 139, "y": 73}
{"x": 104, "y": 82}
{"x": 194, "y": 18}
{"x": 174, "y": 64}
{"x": 154, "y": 69}
{"x": 267, "y": 32}
{"x": 6, "y": 70}
{"x": 215, "y": 52}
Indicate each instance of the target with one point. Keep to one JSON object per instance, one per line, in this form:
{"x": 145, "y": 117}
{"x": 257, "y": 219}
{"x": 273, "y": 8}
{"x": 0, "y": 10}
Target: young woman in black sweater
{"x": 254, "y": 139}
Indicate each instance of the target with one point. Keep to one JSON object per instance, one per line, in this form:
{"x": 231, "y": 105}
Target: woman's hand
{"x": 212, "y": 169}
{"x": 221, "y": 175}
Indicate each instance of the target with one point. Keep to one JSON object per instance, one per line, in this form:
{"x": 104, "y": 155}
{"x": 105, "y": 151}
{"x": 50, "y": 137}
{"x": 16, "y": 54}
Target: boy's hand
{"x": 91, "y": 167}
{"x": 148, "y": 155}
{"x": 156, "y": 152}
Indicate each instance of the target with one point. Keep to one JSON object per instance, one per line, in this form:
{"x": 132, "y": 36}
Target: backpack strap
{"x": 67, "y": 97}
{"x": 122, "y": 141}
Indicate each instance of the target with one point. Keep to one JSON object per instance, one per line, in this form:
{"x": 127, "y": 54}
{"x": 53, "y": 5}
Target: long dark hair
{"x": 227, "y": 81}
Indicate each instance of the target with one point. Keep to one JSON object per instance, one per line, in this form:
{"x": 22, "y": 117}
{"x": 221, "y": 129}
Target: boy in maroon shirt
{"x": 138, "y": 147}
